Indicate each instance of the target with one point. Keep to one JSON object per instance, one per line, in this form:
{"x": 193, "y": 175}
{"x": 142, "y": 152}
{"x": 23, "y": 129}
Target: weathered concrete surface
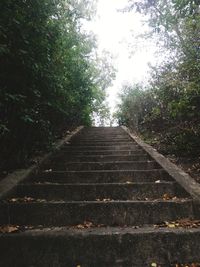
{"x": 174, "y": 171}
{"x": 100, "y": 158}
{"x": 13, "y": 179}
{"x": 93, "y": 191}
{"x": 114, "y": 165}
{"x": 126, "y": 152}
{"x": 79, "y": 197}
{"x": 109, "y": 176}
{"x": 111, "y": 213}
{"x": 74, "y": 149}
{"x": 102, "y": 247}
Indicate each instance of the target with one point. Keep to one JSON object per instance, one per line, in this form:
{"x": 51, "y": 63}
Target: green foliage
{"x": 48, "y": 76}
{"x": 135, "y": 104}
{"x": 174, "y": 106}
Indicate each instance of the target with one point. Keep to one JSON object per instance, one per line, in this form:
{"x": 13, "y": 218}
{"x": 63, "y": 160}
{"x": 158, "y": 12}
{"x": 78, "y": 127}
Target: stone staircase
{"x": 100, "y": 201}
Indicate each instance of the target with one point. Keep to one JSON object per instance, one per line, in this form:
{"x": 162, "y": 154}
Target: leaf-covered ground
{"x": 190, "y": 164}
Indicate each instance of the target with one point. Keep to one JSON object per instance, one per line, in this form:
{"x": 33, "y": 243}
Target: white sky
{"x": 115, "y": 33}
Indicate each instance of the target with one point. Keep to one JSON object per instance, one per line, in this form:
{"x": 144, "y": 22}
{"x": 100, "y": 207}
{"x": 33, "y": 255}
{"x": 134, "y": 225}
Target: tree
{"x": 174, "y": 84}
{"x": 48, "y": 76}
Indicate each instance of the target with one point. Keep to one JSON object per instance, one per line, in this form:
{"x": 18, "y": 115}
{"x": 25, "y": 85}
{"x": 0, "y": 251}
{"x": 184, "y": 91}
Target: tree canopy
{"x": 50, "y": 77}
{"x": 170, "y": 105}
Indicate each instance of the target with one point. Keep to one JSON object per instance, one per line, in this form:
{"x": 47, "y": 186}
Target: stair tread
{"x": 98, "y": 184}
{"x": 93, "y": 214}
{"x": 98, "y": 202}
{"x": 102, "y": 230}
{"x": 100, "y": 171}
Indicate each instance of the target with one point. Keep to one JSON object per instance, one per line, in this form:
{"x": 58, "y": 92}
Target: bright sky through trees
{"x": 116, "y": 33}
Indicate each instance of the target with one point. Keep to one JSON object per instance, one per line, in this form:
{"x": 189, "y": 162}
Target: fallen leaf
{"x": 169, "y": 197}
{"x": 87, "y": 225}
{"x": 9, "y": 229}
{"x": 13, "y": 200}
{"x": 135, "y": 227}
{"x": 80, "y": 226}
{"x": 25, "y": 199}
{"x": 184, "y": 223}
{"x": 28, "y": 199}
{"x": 171, "y": 225}
{"x": 104, "y": 199}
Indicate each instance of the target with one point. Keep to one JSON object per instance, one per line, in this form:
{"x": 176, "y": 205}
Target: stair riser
{"x": 102, "y": 166}
{"x": 92, "y": 138}
{"x": 101, "y": 136}
{"x": 115, "y": 197}
{"x": 197, "y": 210}
{"x": 102, "y": 176}
{"x": 116, "y": 250}
{"x": 65, "y": 153}
{"x": 107, "y": 213}
{"x": 93, "y": 192}
{"x": 103, "y": 139}
{"x": 102, "y": 133}
{"x": 100, "y": 158}
{"x": 91, "y": 148}
{"x": 103, "y": 143}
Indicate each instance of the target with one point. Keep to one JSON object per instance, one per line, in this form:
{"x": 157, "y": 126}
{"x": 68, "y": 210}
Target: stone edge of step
{"x": 184, "y": 179}
{"x": 18, "y": 176}
{"x": 63, "y": 231}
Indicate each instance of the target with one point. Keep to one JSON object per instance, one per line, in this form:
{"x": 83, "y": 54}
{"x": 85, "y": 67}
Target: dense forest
{"x": 51, "y": 75}
{"x": 167, "y": 108}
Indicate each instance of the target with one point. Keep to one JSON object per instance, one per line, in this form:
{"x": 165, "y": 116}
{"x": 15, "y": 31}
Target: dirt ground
{"x": 189, "y": 165}
{"x": 36, "y": 156}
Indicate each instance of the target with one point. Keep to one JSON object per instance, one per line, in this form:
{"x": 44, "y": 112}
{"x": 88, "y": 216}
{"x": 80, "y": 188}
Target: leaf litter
{"x": 25, "y": 200}
{"x": 87, "y": 225}
{"x": 153, "y": 264}
{"x": 188, "y": 265}
{"x": 182, "y": 223}
{"x": 7, "y": 229}
{"x": 104, "y": 199}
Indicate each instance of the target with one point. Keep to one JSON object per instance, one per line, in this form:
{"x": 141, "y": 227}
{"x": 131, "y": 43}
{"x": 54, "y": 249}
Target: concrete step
{"x": 65, "y": 152}
{"x": 102, "y": 191}
{"x": 101, "y": 140}
{"x": 117, "y": 176}
{"x": 100, "y": 247}
{"x": 132, "y": 147}
{"x": 99, "y": 158}
{"x": 110, "y": 213}
{"x": 98, "y": 203}
{"x": 104, "y": 143}
{"x": 120, "y": 165}
{"x": 101, "y": 135}
{"x": 103, "y": 130}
